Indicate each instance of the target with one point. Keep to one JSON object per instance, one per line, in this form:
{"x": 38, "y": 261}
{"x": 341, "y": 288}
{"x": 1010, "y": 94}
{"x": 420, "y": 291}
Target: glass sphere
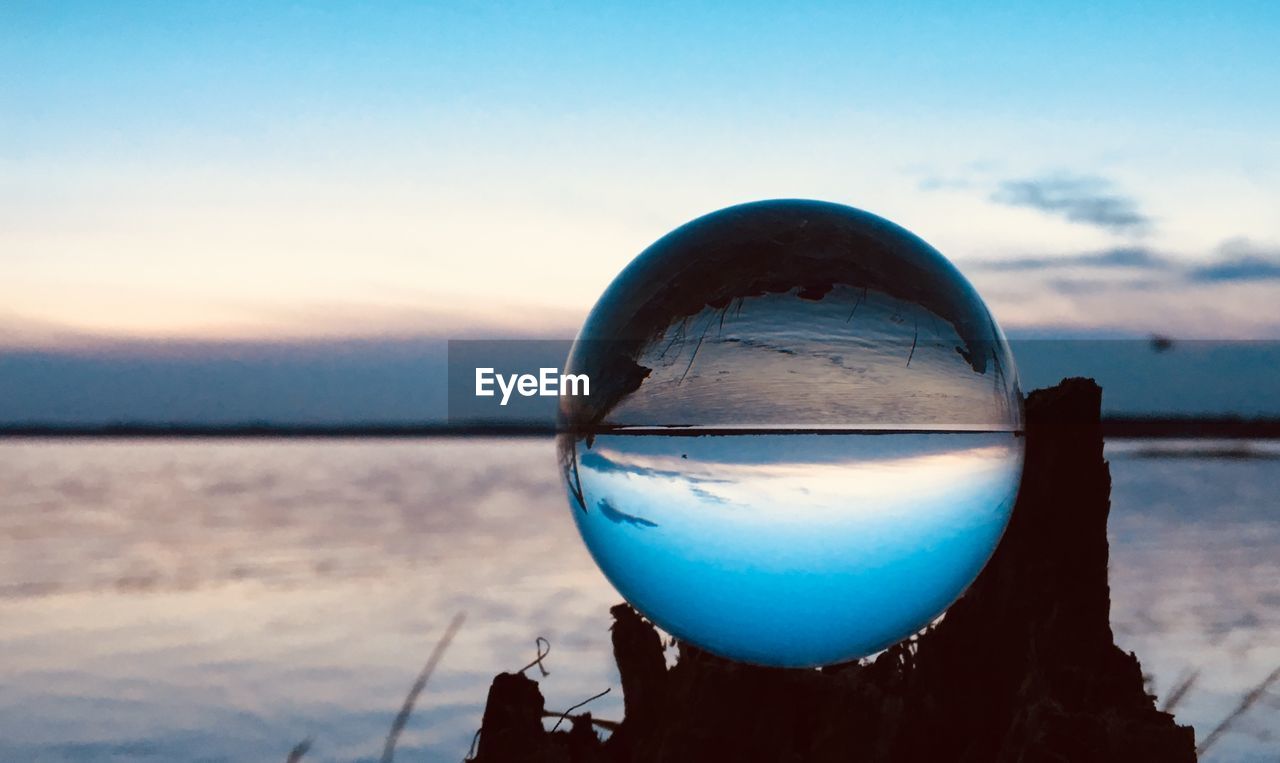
{"x": 803, "y": 437}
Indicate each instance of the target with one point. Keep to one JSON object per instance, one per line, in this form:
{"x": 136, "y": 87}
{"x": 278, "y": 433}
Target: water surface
{"x": 223, "y": 600}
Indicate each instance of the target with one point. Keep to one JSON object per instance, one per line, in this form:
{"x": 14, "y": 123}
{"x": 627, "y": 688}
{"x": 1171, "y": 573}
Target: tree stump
{"x": 1024, "y": 667}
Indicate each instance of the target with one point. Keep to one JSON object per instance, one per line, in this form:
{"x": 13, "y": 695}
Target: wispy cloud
{"x": 937, "y": 183}
{"x": 1085, "y": 199}
{"x": 1072, "y": 286}
{"x": 1140, "y": 258}
{"x": 1236, "y": 260}
{"x": 1228, "y": 292}
{"x": 1239, "y": 260}
{"x": 1242, "y": 269}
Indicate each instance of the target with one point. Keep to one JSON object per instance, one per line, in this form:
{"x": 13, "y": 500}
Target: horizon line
{"x": 1126, "y": 426}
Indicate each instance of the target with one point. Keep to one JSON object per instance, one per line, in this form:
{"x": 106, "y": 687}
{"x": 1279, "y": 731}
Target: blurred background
{"x": 230, "y": 213}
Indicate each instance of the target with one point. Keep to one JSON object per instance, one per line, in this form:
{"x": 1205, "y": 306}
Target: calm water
{"x": 225, "y": 600}
{"x": 793, "y": 549}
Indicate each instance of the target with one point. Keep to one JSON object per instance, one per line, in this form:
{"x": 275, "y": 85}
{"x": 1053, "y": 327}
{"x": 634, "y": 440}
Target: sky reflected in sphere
{"x": 804, "y": 435}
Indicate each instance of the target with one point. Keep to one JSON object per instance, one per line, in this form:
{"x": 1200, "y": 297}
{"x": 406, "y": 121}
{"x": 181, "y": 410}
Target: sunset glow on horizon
{"x": 231, "y": 173}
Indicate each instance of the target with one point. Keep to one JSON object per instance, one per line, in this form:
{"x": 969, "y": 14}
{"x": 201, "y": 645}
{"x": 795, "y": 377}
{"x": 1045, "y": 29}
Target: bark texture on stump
{"x": 1023, "y": 668}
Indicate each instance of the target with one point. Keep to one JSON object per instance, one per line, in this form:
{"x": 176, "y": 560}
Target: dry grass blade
{"x": 565, "y": 714}
{"x": 471, "y": 751}
{"x": 402, "y": 718}
{"x": 1180, "y": 690}
{"x": 298, "y": 751}
{"x": 1246, "y": 702}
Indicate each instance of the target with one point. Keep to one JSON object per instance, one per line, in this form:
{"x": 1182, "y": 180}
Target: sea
{"x": 218, "y": 599}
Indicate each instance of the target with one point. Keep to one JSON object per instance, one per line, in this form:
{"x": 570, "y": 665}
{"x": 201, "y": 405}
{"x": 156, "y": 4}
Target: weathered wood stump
{"x": 1024, "y": 667}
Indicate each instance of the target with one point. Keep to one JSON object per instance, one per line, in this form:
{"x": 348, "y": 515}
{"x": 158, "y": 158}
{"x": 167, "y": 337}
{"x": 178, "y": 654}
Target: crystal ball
{"x": 803, "y": 437}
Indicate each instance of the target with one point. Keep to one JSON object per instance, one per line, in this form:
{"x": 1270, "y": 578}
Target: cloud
{"x": 1079, "y": 198}
{"x": 945, "y": 184}
{"x": 1239, "y": 260}
{"x": 1139, "y": 258}
{"x": 1227, "y": 292}
{"x": 1240, "y": 269}
{"x": 1236, "y": 261}
{"x": 1073, "y": 286}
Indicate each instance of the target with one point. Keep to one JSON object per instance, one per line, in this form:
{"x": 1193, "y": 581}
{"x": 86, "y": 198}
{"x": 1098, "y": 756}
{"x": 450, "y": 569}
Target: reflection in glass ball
{"x": 803, "y": 439}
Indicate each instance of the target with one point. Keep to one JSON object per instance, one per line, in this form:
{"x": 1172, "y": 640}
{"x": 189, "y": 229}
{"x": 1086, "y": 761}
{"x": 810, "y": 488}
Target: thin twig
{"x": 697, "y": 347}
{"x": 677, "y": 336}
{"x": 565, "y": 714}
{"x": 604, "y": 723}
{"x": 543, "y": 648}
{"x": 1246, "y": 702}
{"x": 575, "y": 482}
{"x": 914, "y": 339}
{"x": 855, "y": 304}
{"x": 402, "y": 718}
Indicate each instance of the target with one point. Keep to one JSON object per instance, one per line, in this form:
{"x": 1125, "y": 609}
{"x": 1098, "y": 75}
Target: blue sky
{"x": 253, "y": 172}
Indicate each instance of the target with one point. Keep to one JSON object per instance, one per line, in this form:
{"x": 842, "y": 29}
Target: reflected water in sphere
{"x": 804, "y": 434}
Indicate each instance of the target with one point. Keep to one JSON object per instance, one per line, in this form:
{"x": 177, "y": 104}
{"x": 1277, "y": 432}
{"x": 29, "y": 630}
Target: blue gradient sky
{"x": 257, "y": 172}
{"x": 251, "y": 169}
